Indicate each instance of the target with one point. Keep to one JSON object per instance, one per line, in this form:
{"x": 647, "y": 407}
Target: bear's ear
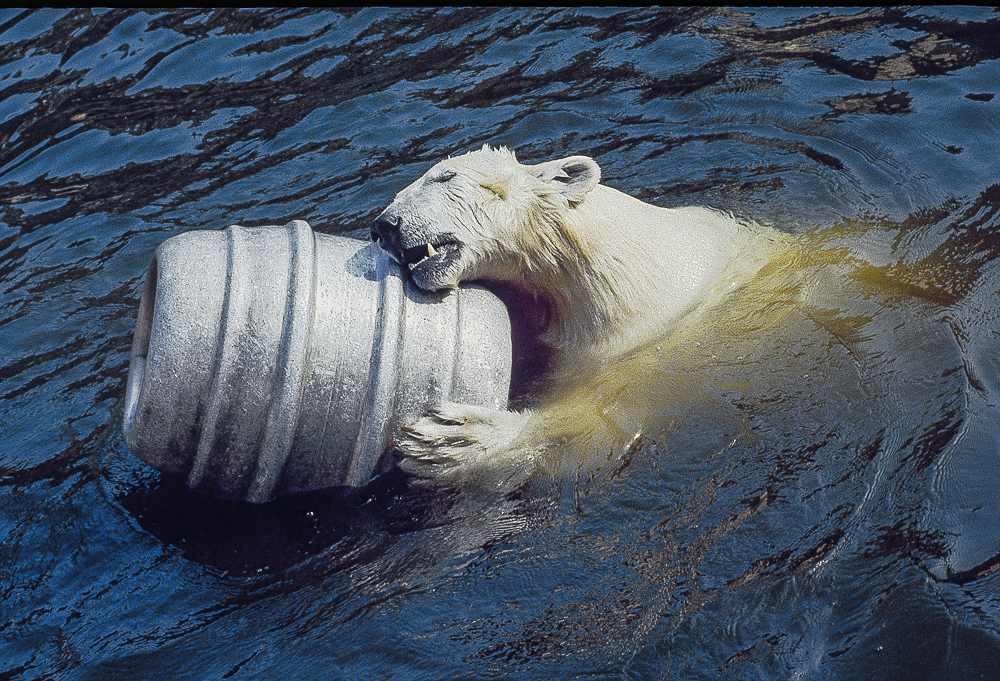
{"x": 572, "y": 177}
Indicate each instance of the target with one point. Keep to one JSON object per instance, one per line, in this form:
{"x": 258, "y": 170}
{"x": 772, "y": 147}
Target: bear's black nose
{"x": 385, "y": 229}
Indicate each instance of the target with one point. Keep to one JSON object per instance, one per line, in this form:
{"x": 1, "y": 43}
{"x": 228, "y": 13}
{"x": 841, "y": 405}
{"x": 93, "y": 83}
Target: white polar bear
{"x": 592, "y": 272}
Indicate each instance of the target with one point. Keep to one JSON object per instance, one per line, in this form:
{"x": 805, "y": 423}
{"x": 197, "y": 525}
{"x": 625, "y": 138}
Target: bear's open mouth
{"x": 418, "y": 255}
{"x": 411, "y": 257}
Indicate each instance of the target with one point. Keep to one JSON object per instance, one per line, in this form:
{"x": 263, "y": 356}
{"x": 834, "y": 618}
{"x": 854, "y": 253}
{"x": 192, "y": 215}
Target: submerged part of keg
{"x": 273, "y": 359}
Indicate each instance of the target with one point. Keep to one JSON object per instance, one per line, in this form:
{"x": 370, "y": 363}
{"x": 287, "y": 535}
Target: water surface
{"x": 817, "y": 499}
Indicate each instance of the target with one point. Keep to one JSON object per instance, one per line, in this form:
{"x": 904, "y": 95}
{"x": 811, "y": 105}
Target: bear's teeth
{"x": 431, "y": 252}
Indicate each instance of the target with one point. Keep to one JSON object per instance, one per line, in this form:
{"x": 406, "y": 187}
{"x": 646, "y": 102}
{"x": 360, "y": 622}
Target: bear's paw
{"x": 458, "y": 445}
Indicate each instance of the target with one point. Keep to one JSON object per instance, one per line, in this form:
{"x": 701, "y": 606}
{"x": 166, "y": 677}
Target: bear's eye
{"x": 444, "y": 176}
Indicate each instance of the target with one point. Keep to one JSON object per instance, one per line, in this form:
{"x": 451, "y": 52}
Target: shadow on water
{"x": 814, "y": 495}
{"x": 243, "y": 539}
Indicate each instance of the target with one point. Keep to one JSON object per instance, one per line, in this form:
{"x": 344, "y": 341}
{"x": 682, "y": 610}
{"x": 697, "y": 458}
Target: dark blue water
{"x": 818, "y": 498}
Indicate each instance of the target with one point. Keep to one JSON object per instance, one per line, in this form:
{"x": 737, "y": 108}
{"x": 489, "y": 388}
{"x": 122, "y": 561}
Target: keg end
{"x": 136, "y": 374}
{"x": 140, "y": 350}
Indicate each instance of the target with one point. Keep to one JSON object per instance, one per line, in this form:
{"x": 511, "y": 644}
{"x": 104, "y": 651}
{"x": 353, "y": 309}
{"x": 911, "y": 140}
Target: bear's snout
{"x": 385, "y": 232}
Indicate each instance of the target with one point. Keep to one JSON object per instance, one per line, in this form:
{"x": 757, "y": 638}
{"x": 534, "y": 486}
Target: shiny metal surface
{"x": 274, "y": 359}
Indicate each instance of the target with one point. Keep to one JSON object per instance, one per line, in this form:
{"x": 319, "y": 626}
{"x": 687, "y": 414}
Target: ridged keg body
{"x": 274, "y": 359}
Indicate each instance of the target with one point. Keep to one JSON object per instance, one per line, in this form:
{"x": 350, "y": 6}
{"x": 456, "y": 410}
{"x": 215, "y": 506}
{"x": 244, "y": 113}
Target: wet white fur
{"x": 617, "y": 271}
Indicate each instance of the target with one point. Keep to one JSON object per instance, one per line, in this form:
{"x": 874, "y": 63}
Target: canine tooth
{"x": 430, "y": 251}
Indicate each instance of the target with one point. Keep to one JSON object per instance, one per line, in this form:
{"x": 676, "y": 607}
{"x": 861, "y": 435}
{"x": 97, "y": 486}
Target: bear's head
{"x": 483, "y": 215}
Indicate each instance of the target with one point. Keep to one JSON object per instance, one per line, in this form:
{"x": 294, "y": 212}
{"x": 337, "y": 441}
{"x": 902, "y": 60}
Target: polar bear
{"x": 589, "y": 272}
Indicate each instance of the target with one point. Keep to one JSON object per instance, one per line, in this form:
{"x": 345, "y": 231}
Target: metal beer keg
{"x": 273, "y": 359}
